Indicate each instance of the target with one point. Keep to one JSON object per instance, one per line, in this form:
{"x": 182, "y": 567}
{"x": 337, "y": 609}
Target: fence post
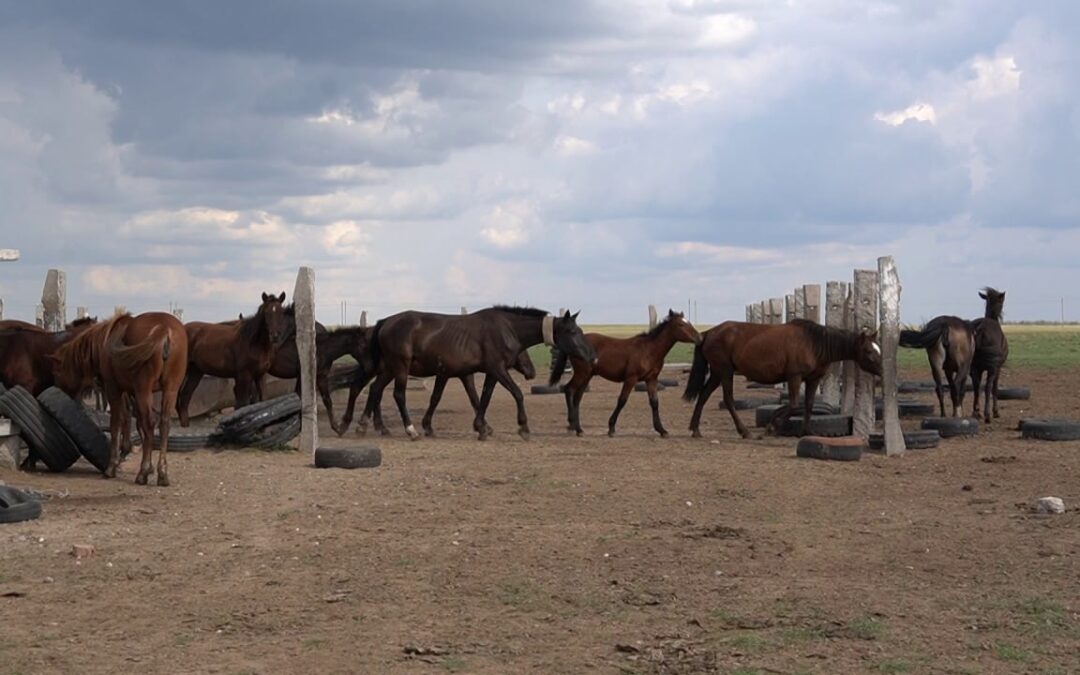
{"x": 800, "y": 302}
{"x": 866, "y": 316}
{"x": 776, "y": 310}
{"x": 757, "y": 313}
{"x": 81, "y": 312}
{"x": 652, "y": 317}
{"x": 363, "y": 319}
{"x": 54, "y": 301}
{"x": 834, "y": 318}
{"x": 464, "y": 310}
{"x": 789, "y": 308}
{"x": 304, "y": 300}
{"x": 812, "y": 300}
{"x": 847, "y": 370}
{"x": 1, "y": 309}
{"x": 39, "y": 316}
{"x": 889, "y": 340}
{"x": 749, "y": 314}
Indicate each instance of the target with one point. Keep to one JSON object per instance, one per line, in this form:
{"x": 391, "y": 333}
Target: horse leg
{"x": 481, "y": 412}
{"x": 469, "y": 383}
{"x": 936, "y": 357}
{"x": 372, "y": 406}
{"x": 728, "y": 380}
{"x": 976, "y": 379}
{"x": 146, "y": 429}
{"x": 579, "y": 394}
{"x": 624, "y": 396}
{"x": 808, "y": 404}
{"x": 436, "y": 396}
{"x": 574, "y": 391}
{"x": 654, "y": 403}
{"x": 167, "y": 398}
{"x": 568, "y": 393}
{"x": 355, "y": 387}
{"x": 706, "y": 391}
{"x": 400, "y": 384}
{"x": 119, "y": 429}
{"x": 997, "y": 376}
{"x": 191, "y": 383}
{"x": 503, "y": 377}
{"x": 987, "y": 405}
{"x": 323, "y": 385}
{"x": 782, "y": 415}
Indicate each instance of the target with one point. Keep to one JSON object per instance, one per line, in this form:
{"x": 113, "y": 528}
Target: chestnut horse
{"x": 795, "y": 352}
{"x": 950, "y": 347}
{"x": 133, "y": 356}
{"x": 455, "y": 345}
{"x": 25, "y": 350}
{"x": 991, "y": 350}
{"x": 242, "y": 350}
{"x": 626, "y": 360}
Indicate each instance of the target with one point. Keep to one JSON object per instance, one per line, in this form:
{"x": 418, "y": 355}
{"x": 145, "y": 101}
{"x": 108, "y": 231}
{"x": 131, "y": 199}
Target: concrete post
{"x": 363, "y": 319}
{"x": 304, "y": 300}
{"x": 847, "y": 371}
{"x": 757, "y": 313}
{"x": 54, "y": 300}
{"x": 1, "y": 309}
{"x": 789, "y": 308}
{"x": 800, "y": 302}
{"x": 749, "y": 314}
{"x": 652, "y": 317}
{"x": 81, "y": 312}
{"x": 39, "y": 316}
{"x": 834, "y": 318}
{"x": 776, "y": 310}
{"x": 464, "y": 310}
{"x": 812, "y": 298}
{"x": 866, "y": 317}
{"x": 889, "y": 341}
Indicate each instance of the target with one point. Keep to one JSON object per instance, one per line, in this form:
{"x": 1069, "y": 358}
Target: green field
{"x": 1039, "y": 346}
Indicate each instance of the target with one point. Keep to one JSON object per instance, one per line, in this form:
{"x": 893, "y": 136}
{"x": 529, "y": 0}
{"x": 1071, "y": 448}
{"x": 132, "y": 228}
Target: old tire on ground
{"x": 348, "y": 458}
{"x": 759, "y": 385}
{"x": 907, "y": 408}
{"x": 254, "y": 417}
{"x": 183, "y": 439}
{"x": 543, "y": 389}
{"x": 668, "y": 381}
{"x": 1050, "y": 430}
{"x": 1014, "y": 393}
{"x": 17, "y": 506}
{"x": 909, "y": 387}
{"x": 750, "y": 403}
{"x": 46, "y": 439}
{"x": 830, "y": 426}
{"x": 72, "y": 417}
{"x": 842, "y": 449}
{"x": 915, "y": 439}
{"x": 644, "y": 386}
{"x": 275, "y": 435}
{"x": 952, "y": 426}
{"x": 764, "y": 414}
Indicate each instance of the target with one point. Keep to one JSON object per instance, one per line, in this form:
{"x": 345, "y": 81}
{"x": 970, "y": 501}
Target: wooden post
{"x": 363, "y": 319}
{"x": 800, "y": 302}
{"x": 789, "y": 308}
{"x": 889, "y": 341}
{"x": 866, "y": 296}
{"x": 776, "y": 310}
{"x": 812, "y": 298}
{"x": 652, "y": 317}
{"x": 304, "y": 300}
{"x": 834, "y": 318}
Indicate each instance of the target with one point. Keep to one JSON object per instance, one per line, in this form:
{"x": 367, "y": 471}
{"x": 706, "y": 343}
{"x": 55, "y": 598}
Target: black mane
{"x": 829, "y": 344}
{"x": 655, "y": 330}
{"x": 521, "y": 311}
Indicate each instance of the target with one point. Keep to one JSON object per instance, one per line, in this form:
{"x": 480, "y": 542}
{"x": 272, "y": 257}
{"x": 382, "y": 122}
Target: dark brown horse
{"x": 242, "y": 350}
{"x": 626, "y": 360}
{"x": 452, "y": 345}
{"x": 950, "y": 347}
{"x": 991, "y": 350}
{"x": 25, "y": 352}
{"x": 795, "y": 352}
{"x": 132, "y": 356}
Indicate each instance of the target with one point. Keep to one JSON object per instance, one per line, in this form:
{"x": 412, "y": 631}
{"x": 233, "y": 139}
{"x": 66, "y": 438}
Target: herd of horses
{"x": 130, "y": 358}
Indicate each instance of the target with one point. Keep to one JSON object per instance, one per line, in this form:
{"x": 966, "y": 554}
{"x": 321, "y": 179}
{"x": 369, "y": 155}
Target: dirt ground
{"x": 561, "y": 555}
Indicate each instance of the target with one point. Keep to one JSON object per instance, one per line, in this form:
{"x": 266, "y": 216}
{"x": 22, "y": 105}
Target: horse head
{"x": 868, "y": 353}
{"x": 524, "y": 365}
{"x": 570, "y": 339}
{"x": 683, "y": 329}
{"x": 73, "y": 363}
{"x": 272, "y": 313}
{"x": 995, "y": 302}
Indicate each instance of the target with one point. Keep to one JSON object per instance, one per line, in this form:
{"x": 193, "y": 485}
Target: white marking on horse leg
{"x": 411, "y": 430}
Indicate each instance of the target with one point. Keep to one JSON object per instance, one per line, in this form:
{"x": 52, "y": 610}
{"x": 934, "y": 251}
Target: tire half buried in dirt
{"x": 763, "y": 414}
{"x": 831, "y": 426}
{"x": 235, "y": 426}
{"x": 952, "y": 426}
{"x": 543, "y": 389}
{"x": 1050, "y": 430}
{"x": 348, "y": 458}
{"x": 842, "y": 449}
{"x": 17, "y": 506}
{"x": 915, "y": 439}
{"x": 74, "y": 420}
{"x": 46, "y": 439}
{"x": 1014, "y": 393}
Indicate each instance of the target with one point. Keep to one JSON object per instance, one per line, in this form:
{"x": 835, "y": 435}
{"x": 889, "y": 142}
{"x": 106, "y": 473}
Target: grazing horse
{"x": 792, "y": 352}
{"x": 132, "y": 356}
{"x": 488, "y": 341}
{"x": 25, "y": 352}
{"x": 950, "y": 347}
{"x": 626, "y": 360}
{"x": 241, "y": 349}
{"x": 991, "y": 350}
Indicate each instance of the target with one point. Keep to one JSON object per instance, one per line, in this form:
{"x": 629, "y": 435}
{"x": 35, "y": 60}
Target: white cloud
{"x": 513, "y": 224}
{"x": 918, "y": 112}
{"x": 569, "y": 146}
{"x": 994, "y": 77}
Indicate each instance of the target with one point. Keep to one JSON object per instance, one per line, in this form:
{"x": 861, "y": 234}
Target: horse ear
{"x": 575, "y": 316}
{"x": 982, "y": 295}
{"x": 566, "y": 315}
{"x": 265, "y": 297}
{"x": 281, "y": 298}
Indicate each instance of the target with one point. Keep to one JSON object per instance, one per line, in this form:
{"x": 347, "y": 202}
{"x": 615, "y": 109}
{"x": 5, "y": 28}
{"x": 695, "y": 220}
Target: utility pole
{"x": 7, "y": 255}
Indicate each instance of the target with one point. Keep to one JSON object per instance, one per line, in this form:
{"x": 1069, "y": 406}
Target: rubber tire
{"x": 348, "y": 458}
{"x": 71, "y": 416}
{"x": 1014, "y": 394}
{"x": 831, "y": 426}
{"x": 749, "y": 403}
{"x": 17, "y": 506}
{"x": 844, "y": 449}
{"x": 644, "y": 386}
{"x": 909, "y": 387}
{"x": 952, "y": 426}
{"x": 1050, "y": 430}
{"x": 47, "y": 440}
{"x": 915, "y": 439}
{"x": 763, "y": 414}
{"x": 275, "y": 435}
{"x": 907, "y": 409}
{"x": 183, "y": 439}
{"x": 668, "y": 381}
{"x": 235, "y": 427}
{"x": 759, "y": 385}
{"x": 544, "y": 389}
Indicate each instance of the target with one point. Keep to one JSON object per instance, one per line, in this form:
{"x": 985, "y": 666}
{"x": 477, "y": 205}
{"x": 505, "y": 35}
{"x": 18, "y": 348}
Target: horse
{"x": 795, "y": 352}
{"x": 626, "y": 360}
{"x": 950, "y": 347}
{"x": 25, "y": 350}
{"x": 991, "y": 350}
{"x": 133, "y": 357}
{"x": 523, "y": 364}
{"x": 241, "y": 349}
{"x": 453, "y": 345}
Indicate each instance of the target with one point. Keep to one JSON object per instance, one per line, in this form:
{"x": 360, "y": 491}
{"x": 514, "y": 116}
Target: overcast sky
{"x": 595, "y": 155}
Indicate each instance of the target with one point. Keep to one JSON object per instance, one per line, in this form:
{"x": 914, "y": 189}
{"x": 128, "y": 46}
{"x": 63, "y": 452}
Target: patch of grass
{"x": 1007, "y": 652}
{"x": 893, "y": 666}
{"x": 314, "y": 643}
{"x": 454, "y": 664}
{"x": 803, "y": 634}
{"x": 515, "y": 594}
{"x": 866, "y": 628}
{"x": 1045, "y": 615}
{"x": 749, "y": 642}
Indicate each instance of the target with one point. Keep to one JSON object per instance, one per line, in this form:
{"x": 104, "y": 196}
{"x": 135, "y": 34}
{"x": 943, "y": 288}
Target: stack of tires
{"x": 269, "y": 424}
{"x": 56, "y": 428}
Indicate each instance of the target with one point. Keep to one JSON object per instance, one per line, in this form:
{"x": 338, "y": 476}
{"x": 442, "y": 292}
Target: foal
{"x": 950, "y": 347}
{"x": 991, "y": 350}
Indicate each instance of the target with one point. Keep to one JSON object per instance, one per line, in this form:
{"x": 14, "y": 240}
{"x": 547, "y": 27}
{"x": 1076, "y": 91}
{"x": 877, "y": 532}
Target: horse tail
{"x": 934, "y": 332}
{"x": 558, "y": 366}
{"x": 130, "y": 357}
{"x": 698, "y": 372}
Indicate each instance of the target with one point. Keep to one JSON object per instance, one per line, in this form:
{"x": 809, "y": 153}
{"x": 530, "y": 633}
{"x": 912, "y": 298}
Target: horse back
{"x": 763, "y": 352}
{"x": 159, "y": 350}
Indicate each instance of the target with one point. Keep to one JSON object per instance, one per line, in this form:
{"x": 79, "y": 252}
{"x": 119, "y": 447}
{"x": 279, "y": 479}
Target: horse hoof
{"x": 162, "y": 480}
{"x": 695, "y": 434}
{"x": 611, "y": 433}
{"x": 140, "y": 479}
{"x": 580, "y": 433}
{"x": 384, "y": 432}
{"x": 664, "y": 434}
{"x": 430, "y": 433}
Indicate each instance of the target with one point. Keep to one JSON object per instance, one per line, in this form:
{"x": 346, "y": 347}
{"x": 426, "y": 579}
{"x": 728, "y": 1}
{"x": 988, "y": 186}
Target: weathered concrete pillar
{"x": 789, "y": 308}
{"x": 749, "y": 314}
{"x": 54, "y": 300}
{"x": 800, "y": 303}
{"x": 304, "y": 300}
{"x": 866, "y": 316}
{"x": 81, "y": 312}
{"x": 847, "y": 371}
{"x": 757, "y": 313}
{"x": 764, "y": 311}
{"x": 652, "y": 317}
{"x": 178, "y": 312}
{"x": 363, "y": 319}
{"x": 776, "y": 311}
{"x": 812, "y": 300}
{"x": 464, "y": 310}
{"x": 39, "y": 316}
{"x": 889, "y": 341}
{"x": 1, "y": 309}
{"x": 834, "y": 318}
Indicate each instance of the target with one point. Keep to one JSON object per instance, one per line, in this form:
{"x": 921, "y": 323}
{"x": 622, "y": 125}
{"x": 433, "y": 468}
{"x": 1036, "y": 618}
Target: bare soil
{"x": 561, "y": 554}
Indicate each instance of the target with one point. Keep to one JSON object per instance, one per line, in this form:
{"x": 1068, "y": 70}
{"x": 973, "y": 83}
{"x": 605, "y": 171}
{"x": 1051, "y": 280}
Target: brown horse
{"x": 132, "y": 356}
{"x": 242, "y": 350}
{"x": 455, "y": 345}
{"x": 25, "y": 352}
{"x": 991, "y": 350}
{"x": 795, "y": 352}
{"x": 950, "y": 346}
{"x": 626, "y": 360}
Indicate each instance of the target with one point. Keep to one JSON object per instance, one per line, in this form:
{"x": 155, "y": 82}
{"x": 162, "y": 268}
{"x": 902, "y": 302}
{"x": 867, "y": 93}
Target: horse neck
{"x": 253, "y": 330}
{"x": 840, "y": 346}
{"x": 334, "y": 344}
{"x": 659, "y": 345}
{"x": 992, "y": 312}
{"x": 528, "y": 329}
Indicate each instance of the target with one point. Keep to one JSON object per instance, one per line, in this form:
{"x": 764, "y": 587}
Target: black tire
{"x": 763, "y": 414}
{"x": 1050, "y": 430}
{"x": 915, "y": 387}
{"x": 1014, "y": 393}
{"x": 46, "y": 439}
{"x": 183, "y": 439}
{"x": 907, "y": 408}
{"x": 275, "y": 435}
{"x": 17, "y": 506}
{"x": 644, "y": 386}
{"x": 258, "y": 416}
{"x": 820, "y": 425}
{"x": 952, "y": 426}
{"x": 759, "y": 385}
{"x": 668, "y": 381}
{"x": 750, "y": 403}
{"x": 72, "y": 417}
{"x": 348, "y": 458}
{"x": 916, "y": 439}
{"x": 544, "y": 389}
{"x": 846, "y": 449}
